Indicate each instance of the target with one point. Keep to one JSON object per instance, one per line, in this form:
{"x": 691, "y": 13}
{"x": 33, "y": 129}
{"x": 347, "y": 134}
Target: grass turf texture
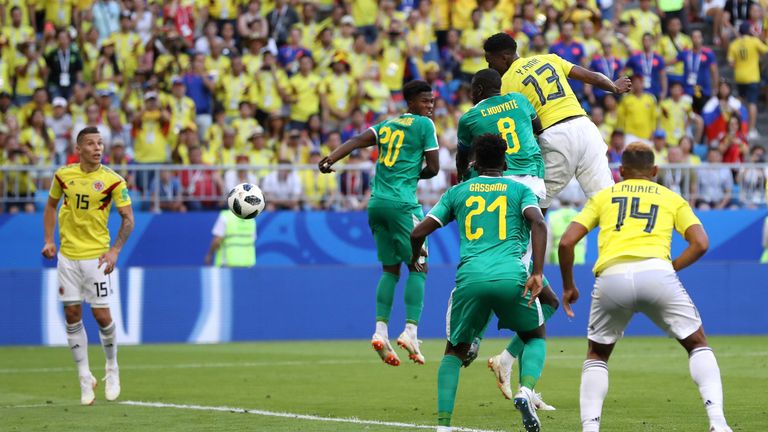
{"x": 650, "y": 388}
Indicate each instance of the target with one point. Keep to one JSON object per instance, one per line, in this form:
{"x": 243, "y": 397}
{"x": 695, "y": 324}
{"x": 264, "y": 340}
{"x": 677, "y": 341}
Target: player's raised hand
{"x": 325, "y": 166}
{"x": 110, "y": 259}
{"x": 534, "y": 285}
{"x": 49, "y": 250}
{"x": 623, "y": 85}
{"x": 570, "y": 296}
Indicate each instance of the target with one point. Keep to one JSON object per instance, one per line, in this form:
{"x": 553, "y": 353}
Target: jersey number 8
{"x": 499, "y": 203}
{"x": 393, "y": 139}
{"x": 506, "y": 127}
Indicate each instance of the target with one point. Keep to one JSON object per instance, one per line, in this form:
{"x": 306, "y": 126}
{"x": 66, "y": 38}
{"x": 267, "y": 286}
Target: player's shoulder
{"x": 109, "y": 174}
{"x": 67, "y": 170}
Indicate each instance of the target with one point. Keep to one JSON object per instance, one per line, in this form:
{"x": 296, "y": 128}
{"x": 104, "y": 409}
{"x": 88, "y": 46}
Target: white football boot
{"x": 539, "y": 403}
{"x": 412, "y": 346}
{"x": 502, "y": 371}
{"x": 88, "y": 384}
{"x": 383, "y": 348}
{"x": 112, "y": 387}
{"x": 524, "y": 404}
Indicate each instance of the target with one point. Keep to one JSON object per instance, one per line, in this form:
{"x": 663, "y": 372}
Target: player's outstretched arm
{"x": 572, "y": 236}
{"x": 418, "y": 235}
{"x": 621, "y": 85}
{"x": 49, "y": 225}
{"x": 432, "y": 158}
{"x": 126, "y": 227}
{"x": 535, "y": 283}
{"x": 365, "y": 139}
{"x": 462, "y": 162}
{"x": 698, "y": 243}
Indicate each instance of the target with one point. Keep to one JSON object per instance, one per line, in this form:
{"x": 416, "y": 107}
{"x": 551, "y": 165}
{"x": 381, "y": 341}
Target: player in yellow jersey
{"x": 635, "y": 273}
{"x": 570, "y": 143}
{"x": 86, "y": 259}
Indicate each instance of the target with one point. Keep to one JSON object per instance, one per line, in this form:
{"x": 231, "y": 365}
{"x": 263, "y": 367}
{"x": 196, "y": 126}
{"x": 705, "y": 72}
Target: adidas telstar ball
{"x": 246, "y": 201}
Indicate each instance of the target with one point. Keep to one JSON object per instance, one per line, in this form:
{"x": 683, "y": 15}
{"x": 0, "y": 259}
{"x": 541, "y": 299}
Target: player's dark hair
{"x": 500, "y": 42}
{"x": 414, "y": 88}
{"x": 488, "y": 78}
{"x": 86, "y": 131}
{"x": 489, "y": 150}
{"x": 637, "y": 157}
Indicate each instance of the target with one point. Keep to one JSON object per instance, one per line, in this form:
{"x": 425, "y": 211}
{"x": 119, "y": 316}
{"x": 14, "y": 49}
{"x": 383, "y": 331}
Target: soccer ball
{"x": 246, "y": 201}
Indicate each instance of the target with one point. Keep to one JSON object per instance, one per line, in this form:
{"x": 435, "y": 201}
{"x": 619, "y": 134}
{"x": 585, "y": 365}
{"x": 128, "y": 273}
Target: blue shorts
{"x": 749, "y": 92}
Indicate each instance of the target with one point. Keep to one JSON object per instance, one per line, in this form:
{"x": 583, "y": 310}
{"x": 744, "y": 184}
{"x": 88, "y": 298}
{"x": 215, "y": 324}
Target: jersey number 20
{"x": 552, "y": 78}
{"x": 394, "y": 141}
{"x": 499, "y": 203}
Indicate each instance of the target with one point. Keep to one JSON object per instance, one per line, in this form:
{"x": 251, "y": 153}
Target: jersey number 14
{"x": 649, "y": 217}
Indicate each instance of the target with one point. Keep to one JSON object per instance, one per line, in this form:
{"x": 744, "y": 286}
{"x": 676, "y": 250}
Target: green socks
{"x": 414, "y": 296}
{"x": 515, "y": 347}
{"x": 385, "y": 294}
{"x": 532, "y": 362}
{"x": 447, "y": 384}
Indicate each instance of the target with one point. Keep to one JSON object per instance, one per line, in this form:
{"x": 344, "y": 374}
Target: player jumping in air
{"x": 570, "y": 143}
{"x": 496, "y": 216}
{"x": 86, "y": 259}
{"x": 404, "y": 143}
{"x": 635, "y": 274}
{"x": 513, "y": 117}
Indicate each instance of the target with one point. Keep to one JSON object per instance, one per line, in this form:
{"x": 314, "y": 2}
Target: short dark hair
{"x": 415, "y": 88}
{"x": 86, "y": 131}
{"x": 637, "y": 156}
{"x": 488, "y": 78}
{"x": 489, "y": 150}
{"x": 500, "y": 42}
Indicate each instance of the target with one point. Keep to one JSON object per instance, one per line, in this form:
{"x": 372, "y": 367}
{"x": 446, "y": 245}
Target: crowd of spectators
{"x": 225, "y": 82}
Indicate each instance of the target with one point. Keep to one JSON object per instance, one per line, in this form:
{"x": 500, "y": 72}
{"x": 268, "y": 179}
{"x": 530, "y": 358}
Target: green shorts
{"x": 391, "y": 223}
{"x": 471, "y": 305}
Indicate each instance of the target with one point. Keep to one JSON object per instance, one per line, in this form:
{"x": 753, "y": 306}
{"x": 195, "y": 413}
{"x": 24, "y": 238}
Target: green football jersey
{"x": 510, "y": 116}
{"x": 402, "y": 142}
{"x": 494, "y": 233}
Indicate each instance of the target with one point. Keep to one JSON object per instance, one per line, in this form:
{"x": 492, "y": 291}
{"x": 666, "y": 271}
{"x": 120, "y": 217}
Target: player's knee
{"x": 73, "y": 313}
{"x": 598, "y": 351}
{"x": 102, "y": 316}
{"x": 393, "y": 269}
{"x": 461, "y": 350}
{"x": 697, "y": 340}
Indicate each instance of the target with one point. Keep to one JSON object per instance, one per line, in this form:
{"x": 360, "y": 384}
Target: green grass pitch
{"x": 650, "y": 389}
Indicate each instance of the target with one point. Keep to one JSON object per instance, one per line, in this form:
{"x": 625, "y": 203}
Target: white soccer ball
{"x": 246, "y": 201}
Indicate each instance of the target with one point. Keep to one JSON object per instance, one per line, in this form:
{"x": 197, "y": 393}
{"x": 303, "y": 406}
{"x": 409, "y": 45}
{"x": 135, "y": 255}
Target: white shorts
{"x": 535, "y": 184}
{"x": 83, "y": 280}
{"x": 650, "y": 287}
{"x": 574, "y": 148}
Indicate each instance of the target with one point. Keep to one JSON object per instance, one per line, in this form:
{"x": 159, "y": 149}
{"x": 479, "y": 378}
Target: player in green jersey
{"x": 404, "y": 143}
{"x": 513, "y": 117}
{"x": 495, "y": 216}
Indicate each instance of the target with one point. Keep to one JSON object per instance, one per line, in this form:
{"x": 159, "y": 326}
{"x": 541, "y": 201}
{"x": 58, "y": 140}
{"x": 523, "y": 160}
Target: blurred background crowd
{"x": 276, "y": 84}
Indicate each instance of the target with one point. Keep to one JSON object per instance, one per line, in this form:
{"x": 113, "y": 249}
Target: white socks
{"x": 706, "y": 375}
{"x": 410, "y": 329}
{"x": 594, "y": 387}
{"x": 78, "y": 344}
{"x": 381, "y": 329}
{"x": 109, "y": 343}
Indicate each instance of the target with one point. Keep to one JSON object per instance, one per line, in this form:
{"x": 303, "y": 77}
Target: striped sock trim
{"x": 590, "y": 364}
{"x": 74, "y": 328}
{"x": 698, "y": 351}
{"x": 108, "y": 330}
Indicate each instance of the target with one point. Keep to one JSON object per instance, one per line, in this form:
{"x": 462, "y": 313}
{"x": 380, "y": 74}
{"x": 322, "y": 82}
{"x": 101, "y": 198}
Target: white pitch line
{"x": 257, "y": 412}
{"x": 42, "y": 405}
{"x": 197, "y": 365}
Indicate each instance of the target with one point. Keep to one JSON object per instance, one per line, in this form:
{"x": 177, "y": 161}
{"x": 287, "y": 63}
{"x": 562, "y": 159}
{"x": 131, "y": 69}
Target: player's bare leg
{"x": 107, "y": 334}
{"x": 385, "y": 293}
{"x": 706, "y": 374}
{"x": 414, "y": 303}
{"x": 77, "y": 340}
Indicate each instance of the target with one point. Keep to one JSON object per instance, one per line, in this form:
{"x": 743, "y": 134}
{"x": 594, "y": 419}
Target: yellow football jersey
{"x": 83, "y": 216}
{"x": 636, "y": 219}
{"x": 744, "y": 54}
{"x": 543, "y": 79}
